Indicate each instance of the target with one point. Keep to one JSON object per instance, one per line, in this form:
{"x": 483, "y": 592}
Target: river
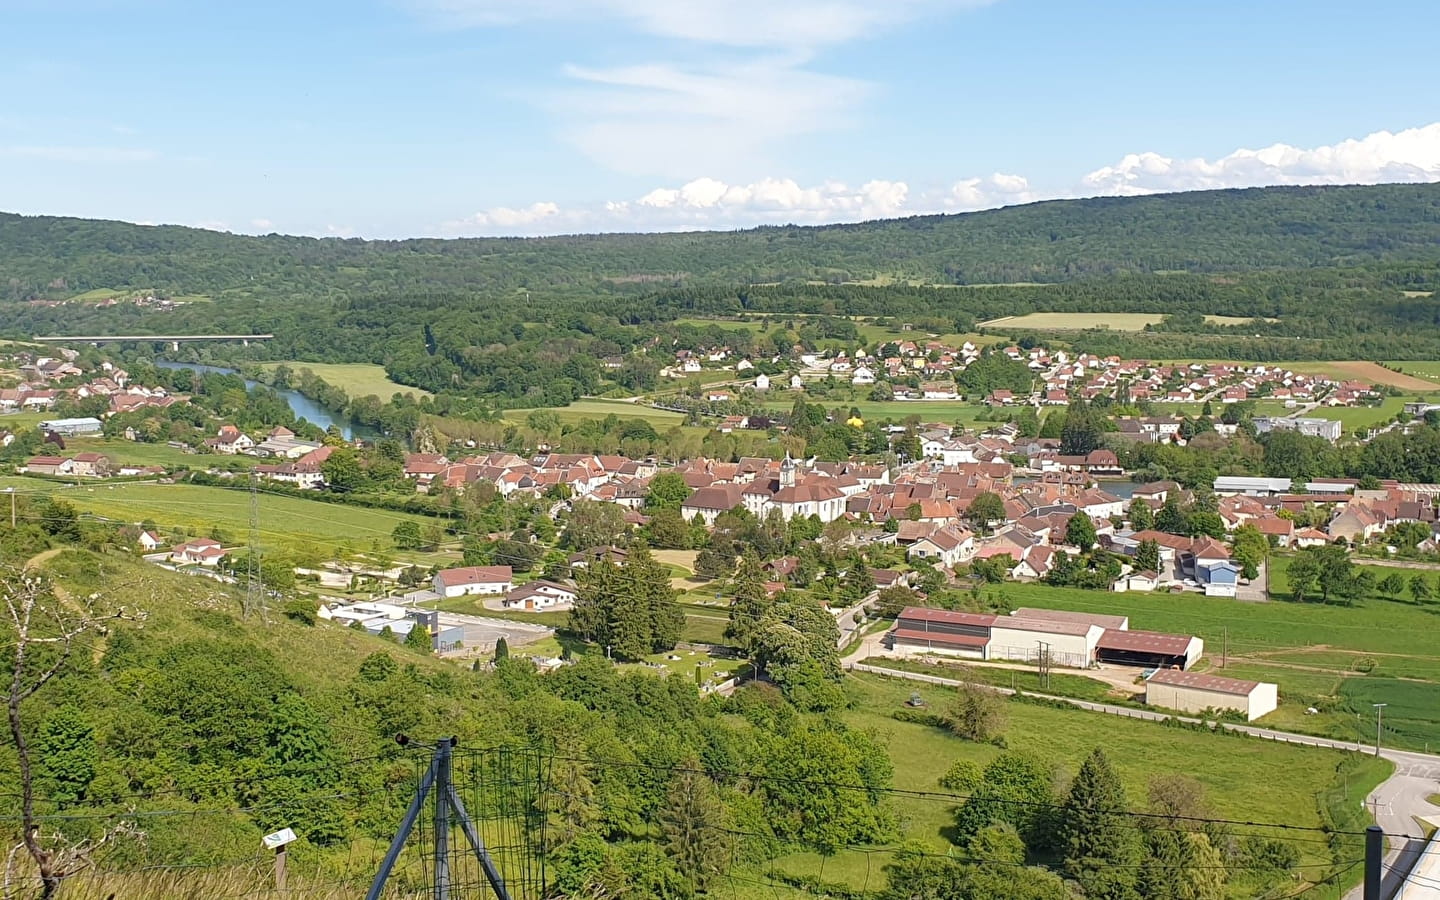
{"x": 301, "y": 405}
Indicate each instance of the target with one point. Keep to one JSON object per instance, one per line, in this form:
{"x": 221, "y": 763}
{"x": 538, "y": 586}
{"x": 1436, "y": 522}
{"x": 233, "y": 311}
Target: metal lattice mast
{"x": 254, "y": 580}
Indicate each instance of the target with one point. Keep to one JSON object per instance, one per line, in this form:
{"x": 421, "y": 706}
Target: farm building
{"x": 1071, "y": 638}
{"x": 1148, "y": 648}
{"x": 1192, "y": 692}
{"x": 473, "y": 580}
{"x": 73, "y": 427}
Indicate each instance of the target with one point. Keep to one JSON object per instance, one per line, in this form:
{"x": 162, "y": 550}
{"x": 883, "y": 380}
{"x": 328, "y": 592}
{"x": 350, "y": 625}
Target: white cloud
{"x": 1410, "y": 155}
{"x": 994, "y": 190}
{"x": 735, "y": 23}
{"x": 755, "y": 87}
{"x": 671, "y": 120}
{"x": 708, "y": 202}
{"x": 506, "y": 220}
{"x": 262, "y": 224}
{"x": 81, "y": 154}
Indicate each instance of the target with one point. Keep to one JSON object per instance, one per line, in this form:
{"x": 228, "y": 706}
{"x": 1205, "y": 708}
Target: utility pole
{"x": 254, "y": 578}
{"x": 1379, "y": 710}
{"x": 1225, "y": 646}
{"x": 12, "y": 508}
{"x": 1044, "y": 665}
{"x": 1374, "y": 855}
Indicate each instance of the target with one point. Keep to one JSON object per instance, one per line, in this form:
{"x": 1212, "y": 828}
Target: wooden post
{"x": 280, "y": 870}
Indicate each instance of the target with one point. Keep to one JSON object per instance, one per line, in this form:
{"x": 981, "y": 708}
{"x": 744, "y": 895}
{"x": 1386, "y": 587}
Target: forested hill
{"x": 1042, "y": 242}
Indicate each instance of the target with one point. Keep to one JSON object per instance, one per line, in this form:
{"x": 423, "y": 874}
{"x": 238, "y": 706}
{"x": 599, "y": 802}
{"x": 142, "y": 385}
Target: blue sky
{"x": 390, "y": 118}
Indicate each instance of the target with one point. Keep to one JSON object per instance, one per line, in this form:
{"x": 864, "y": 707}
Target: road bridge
{"x": 174, "y": 340}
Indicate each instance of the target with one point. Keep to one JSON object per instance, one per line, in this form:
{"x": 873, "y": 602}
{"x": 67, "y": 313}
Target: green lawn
{"x": 137, "y": 453}
{"x": 1353, "y": 417}
{"x": 1244, "y": 779}
{"x": 1060, "y": 684}
{"x": 898, "y": 410}
{"x": 284, "y": 521}
{"x": 1064, "y": 321}
{"x": 1310, "y": 650}
{"x": 355, "y": 379}
{"x": 596, "y": 408}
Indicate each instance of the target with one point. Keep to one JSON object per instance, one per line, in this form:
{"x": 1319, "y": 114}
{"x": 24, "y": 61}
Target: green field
{"x": 597, "y": 408}
{"x": 138, "y": 453}
{"x": 1353, "y": 417}
{"x": 1244, "y": 779}
{"x": 1056, "y": 321}
{"x": 898, "y": 410}
{"x": 355, "y": 379}
{"x": 1308, "y": 649}
{"x": 1061, "y": 684}
{"x": 284, "y": 521}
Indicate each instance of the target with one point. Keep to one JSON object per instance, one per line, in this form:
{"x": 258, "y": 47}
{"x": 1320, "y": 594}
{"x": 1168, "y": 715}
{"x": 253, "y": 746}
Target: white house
{"x": 539, "y": 595}
{"x": 939, "y": 390}
{"x": 945, "y": 547}
{"x": 474, "y": 580}
{"x": 149, "y": 541}
{"x": 862, "y": 375}
{"x": 201, "y": 551}
{"x": 762, "y": 382}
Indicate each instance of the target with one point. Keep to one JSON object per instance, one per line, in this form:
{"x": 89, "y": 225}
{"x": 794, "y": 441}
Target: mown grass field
{"x": 597, "y": 408}
{"x": 1353, "y": 417}
{"x": 898, "y": 410}
{"x": 1308, "y": 649}
{"x": 1057, "y": 321}
{"x": 138, "y": 453}
{"x": 1243, "y": 778}
{"x": 285, "y": 522}
{"x": 355, "y": 379}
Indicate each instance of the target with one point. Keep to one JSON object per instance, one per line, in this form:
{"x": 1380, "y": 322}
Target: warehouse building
{"x": 1192, "y": 692}
{"x": 1150, "y": 649}
{"x": 1070, "y": 638}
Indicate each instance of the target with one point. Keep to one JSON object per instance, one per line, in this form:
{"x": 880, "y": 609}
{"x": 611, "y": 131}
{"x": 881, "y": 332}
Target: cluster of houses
{"x": 37, "y": 391}
{"x": 1061, "y": 376}
{"x": 86, "y": 465}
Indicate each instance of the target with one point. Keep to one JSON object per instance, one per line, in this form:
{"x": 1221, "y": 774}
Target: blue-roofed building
{"x": 1218, "y": 578}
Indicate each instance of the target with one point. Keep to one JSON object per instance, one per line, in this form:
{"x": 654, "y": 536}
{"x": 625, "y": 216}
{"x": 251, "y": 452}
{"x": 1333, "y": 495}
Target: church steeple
{"x": 787, "y": 471}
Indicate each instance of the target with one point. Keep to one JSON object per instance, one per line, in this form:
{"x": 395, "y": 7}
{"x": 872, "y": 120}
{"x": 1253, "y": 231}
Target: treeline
{"x": 1260, "y": 228}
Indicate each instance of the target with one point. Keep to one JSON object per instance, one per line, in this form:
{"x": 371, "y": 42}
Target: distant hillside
{"x": 1045, "y": 242}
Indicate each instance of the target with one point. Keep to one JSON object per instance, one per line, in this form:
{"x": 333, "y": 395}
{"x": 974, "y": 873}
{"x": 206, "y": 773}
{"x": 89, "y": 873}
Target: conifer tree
{"x": 747, "y": 609}
{"x": 1100, "y": 848}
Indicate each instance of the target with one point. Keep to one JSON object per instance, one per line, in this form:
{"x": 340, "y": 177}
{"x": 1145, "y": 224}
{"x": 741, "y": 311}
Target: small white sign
{"x": 278, "y": 839}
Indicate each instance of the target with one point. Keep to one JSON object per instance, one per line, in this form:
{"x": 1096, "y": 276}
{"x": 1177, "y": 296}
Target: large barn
{"x": 1150, "y": 649}
{"x": 1193, "y": 693}
{"x": 1071, "y": 638}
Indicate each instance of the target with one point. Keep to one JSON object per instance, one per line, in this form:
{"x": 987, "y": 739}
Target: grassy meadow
{"x": 1058, "y": 321}
{"x": 1243, "y": 778}
{"x": 355, "y": 379}
{"x": 598, "y": 408}
{"x": 285, "y": 522}
{"x": 1310, "y": 650}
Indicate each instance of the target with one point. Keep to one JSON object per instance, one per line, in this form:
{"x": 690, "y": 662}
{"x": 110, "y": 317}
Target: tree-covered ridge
{"x": 1052, "y": 241}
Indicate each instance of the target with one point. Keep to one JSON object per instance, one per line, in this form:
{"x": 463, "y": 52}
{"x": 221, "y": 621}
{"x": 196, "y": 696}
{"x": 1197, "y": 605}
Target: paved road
{"x": 1395, "y": 803}
{"x": 482, "y": 632}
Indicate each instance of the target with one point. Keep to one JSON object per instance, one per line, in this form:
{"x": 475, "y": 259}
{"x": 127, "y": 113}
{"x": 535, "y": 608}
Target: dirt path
{"x": 37, "y": 562}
